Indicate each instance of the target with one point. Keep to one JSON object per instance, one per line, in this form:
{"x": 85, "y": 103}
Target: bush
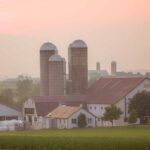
{"x": 82, "y": 121}
{"x": 133, "y": 117}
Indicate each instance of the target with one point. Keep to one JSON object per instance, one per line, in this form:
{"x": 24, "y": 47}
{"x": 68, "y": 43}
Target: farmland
{"x": 119, "y": 138}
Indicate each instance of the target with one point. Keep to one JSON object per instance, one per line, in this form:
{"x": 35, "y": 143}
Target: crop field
{"x": 119, "y": 138}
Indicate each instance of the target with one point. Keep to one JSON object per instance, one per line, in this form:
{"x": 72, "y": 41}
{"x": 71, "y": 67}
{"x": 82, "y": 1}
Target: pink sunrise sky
{"x": 113, "y": 30}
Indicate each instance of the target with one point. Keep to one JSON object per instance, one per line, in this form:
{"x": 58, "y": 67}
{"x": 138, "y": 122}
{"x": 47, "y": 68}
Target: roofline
{"x": 132, "y": 89}
{"x": 144, "y": 78}
{"x": 73, "y": 113}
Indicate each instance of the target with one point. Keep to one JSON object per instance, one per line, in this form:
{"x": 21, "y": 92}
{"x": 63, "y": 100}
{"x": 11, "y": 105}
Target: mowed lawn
{"x": 119, "y": 138}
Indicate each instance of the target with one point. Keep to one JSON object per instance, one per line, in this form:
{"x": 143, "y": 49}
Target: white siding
{"x": 121, "y": 103}
{"x": 75, "y": 116}
{"x": 97, "y": 109}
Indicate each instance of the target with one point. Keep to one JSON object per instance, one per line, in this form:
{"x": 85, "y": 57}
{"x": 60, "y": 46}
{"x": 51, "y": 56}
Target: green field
{"x": 126, "y": 138}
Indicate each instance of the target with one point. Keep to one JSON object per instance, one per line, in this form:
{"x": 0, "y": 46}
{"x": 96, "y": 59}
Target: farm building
{"x": 103, "y": 93}
{"x": 66, "y": 117}
{"x": 118, "y": 91}
{"x": 9, "y": 113}
{"x": 37, "y": 108}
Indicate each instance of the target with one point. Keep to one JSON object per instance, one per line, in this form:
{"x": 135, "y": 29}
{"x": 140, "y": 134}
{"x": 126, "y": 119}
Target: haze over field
{"x": 113, "y": 29}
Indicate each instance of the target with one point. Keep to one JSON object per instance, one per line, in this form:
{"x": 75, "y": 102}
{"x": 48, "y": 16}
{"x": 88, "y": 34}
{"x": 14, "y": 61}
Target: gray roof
{"x": 78, "y": 44}
{"x": 56, "y": 57}
{"x": 48, "y": 46}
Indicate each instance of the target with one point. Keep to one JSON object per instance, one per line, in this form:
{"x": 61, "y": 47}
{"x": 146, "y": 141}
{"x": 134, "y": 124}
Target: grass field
{"x": 125, "y": 138}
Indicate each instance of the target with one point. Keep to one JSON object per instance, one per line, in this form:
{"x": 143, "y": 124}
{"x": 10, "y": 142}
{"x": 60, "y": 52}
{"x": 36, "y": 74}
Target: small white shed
{"x": 66, "y": 117}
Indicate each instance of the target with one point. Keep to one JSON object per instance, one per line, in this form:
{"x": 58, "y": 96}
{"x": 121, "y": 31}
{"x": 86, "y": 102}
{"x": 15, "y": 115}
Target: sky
{"x": 113, "y": 30}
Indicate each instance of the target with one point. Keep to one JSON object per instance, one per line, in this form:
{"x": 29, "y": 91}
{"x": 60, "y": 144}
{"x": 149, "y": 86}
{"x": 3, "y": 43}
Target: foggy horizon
{"x": 113, "y": 30}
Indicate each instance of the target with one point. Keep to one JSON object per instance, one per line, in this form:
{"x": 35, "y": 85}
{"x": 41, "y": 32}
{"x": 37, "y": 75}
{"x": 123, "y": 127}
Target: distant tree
{"x": 8, "y": 93}
{"x": 82, "y": 120}
{"x": 6, "y": 100}
{"x": 111, "y": 113}
{"x": 141, "y": 104}
{"x": 132, "y": 117}
{"x": 26, "y": 88}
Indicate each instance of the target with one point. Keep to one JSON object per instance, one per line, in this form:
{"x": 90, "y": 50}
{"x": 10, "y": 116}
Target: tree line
{"x": 25, "y": 87}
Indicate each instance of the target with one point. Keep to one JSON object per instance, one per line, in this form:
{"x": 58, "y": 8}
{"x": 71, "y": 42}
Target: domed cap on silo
{"x": 48, "y": 47}
{"x": 56, "y": 57}
{"x": 113, "y": 62}
{"x": 78, "y": 44}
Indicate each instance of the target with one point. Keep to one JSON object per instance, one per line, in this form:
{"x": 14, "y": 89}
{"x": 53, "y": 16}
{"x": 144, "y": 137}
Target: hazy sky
{"x": 113, "y": 30}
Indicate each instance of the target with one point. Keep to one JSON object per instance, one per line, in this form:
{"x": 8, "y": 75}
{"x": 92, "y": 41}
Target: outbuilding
{"x": 66, "y": 117}
{"x": 9, "y": 113}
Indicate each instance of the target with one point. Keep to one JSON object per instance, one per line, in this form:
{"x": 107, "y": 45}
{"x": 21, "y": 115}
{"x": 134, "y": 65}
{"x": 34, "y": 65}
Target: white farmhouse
{"x": 66, "y": 117}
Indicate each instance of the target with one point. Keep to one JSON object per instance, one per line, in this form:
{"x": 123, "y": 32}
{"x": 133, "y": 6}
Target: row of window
{"x": 2, "y": 118}
{"x": 29, "y": 110}
{"x": 94, "y": 107}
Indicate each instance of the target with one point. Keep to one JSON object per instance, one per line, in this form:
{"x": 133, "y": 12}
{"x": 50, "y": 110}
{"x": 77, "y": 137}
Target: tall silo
{"x": 98, "y": 66}
{"x": 57, "y": 75}
{"x": 47, "y": 49}
{"x": 113, "y": 68}
{"x": 78, "y": 66}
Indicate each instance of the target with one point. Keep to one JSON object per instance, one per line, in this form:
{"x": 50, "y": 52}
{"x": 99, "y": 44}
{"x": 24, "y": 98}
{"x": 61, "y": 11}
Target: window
{"x": 89, "y": 120}
{"x": 35, "y": 119}
{"x": 74, "y": 121}
{"x": 29, "y": 110}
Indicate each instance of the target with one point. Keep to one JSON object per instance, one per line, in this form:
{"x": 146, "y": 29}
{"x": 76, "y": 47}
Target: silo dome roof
{"x": 48, "y": 46}
{"x": 113, "y": 62}
{"x": 78, "y": 44}
{"x": 56, "y": 57}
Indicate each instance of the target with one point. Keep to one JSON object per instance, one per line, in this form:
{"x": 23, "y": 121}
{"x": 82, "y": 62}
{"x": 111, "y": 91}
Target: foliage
{"x": 80, "y": 139}
{"x": 111, "y": 113}
{"x": 6, "y": 100}
{"x": 141, "y": 104}
{"x": 132, "y": 117}
{"x": 23, "y": 88}
{"x": 82, "y": 120}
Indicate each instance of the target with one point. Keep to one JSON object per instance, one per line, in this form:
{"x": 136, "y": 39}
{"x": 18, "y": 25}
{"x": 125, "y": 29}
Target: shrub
{"x": 133, "y": 117}
{"x": 82, "y": 121}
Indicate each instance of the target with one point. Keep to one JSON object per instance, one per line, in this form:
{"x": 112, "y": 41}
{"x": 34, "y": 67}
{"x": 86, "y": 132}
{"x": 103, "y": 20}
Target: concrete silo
{"x": 78, "y": 66}
{"x": 57, "y": 75}
{"x": 113, "y": 68}
{"x": 46, "y": 50}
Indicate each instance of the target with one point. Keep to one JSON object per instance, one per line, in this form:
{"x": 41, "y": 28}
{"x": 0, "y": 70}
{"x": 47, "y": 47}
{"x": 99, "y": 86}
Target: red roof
{"x": 104, "y": 91}
{"x": 111, "y": 90}
{"x": 45, "y": 104}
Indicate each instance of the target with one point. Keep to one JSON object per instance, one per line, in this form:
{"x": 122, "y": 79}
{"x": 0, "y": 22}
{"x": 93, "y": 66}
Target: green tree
{"x": 82, "y": 120}
{"x": 6, "y": 99}
{"x": 8, "y": 93}
{"x": 26, "y": 88}
{"x": 132, "y": 117}
{"x": 141, "y": 104}
{"x": 111, "y": 113}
